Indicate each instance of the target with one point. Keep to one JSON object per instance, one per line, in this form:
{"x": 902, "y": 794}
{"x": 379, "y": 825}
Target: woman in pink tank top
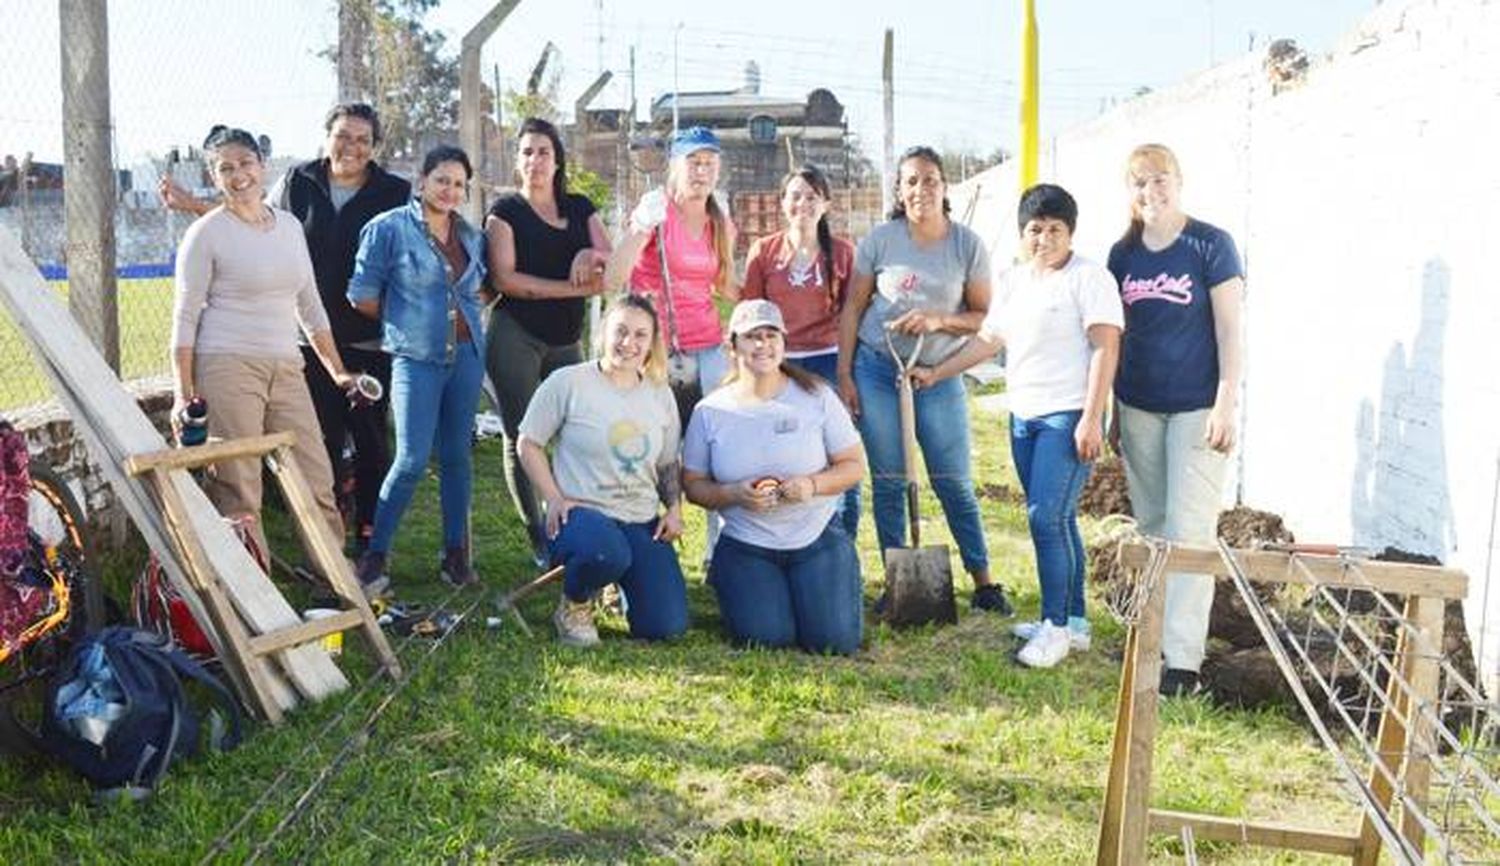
{"x": 686, "y": 228}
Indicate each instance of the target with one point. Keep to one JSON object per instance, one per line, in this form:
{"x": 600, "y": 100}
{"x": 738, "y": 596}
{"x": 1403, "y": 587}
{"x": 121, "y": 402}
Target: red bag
{"x": 157, "y": 606}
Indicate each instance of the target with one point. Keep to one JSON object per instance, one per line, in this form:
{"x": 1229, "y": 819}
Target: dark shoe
{"x": 373, "y": 580}
{"x": 991, "y": 597}
{"x": 882, "y": 606}
{"x": 1179, "y": 683}
{"x": 456, "y": 570}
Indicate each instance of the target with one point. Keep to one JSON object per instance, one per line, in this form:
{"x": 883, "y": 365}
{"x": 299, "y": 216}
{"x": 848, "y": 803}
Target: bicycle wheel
{"x": 59, "y": 538}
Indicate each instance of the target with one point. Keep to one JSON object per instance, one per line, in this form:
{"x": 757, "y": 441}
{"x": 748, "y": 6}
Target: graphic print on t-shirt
{"x": 1162, "y": 287}
{"x": 629, "y": 444}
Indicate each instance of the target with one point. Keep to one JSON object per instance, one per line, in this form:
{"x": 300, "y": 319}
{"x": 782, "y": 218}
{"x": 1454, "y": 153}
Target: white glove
{"x": 650, "y": 212}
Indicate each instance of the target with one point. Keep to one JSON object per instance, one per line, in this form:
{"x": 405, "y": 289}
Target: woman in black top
{"x": 547, "y": 251}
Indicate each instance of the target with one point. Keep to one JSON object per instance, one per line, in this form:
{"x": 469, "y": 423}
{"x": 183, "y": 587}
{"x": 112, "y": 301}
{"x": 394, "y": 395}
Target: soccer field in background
{"x": 145, "y": 324}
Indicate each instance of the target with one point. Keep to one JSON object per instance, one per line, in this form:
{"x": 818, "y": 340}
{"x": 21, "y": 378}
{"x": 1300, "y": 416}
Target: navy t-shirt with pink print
{"x": 1169, "y": 357}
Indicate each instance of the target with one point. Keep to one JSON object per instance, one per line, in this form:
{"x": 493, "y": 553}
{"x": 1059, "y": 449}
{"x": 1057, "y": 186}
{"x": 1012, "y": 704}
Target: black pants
{"x": 516, "y": 363}
{"x": 366, "y": 426}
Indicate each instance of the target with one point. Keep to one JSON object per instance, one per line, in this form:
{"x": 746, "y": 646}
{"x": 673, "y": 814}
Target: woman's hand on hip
{"x": 669, "y": 525}
{"x": 557, "y": 514}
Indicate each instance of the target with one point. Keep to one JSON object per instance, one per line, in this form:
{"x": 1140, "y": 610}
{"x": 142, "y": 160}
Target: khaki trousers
{"x": 250, "y": 396}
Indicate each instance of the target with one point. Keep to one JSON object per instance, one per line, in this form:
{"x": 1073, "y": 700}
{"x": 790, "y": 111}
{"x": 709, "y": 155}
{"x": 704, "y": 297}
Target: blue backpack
{"x": 117, "y": 712}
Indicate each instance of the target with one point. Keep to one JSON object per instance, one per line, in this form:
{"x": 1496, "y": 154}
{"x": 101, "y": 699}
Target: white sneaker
{"x": 1078, "y": 641}
{"x": 575, "y": 623}
{"x": 1048, "y": 646}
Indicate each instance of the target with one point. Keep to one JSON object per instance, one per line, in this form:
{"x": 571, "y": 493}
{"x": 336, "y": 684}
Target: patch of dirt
{"x": 1002, "y": 493}
{"x": 1105, "y": 492}
{"x": 1230, "y": 620}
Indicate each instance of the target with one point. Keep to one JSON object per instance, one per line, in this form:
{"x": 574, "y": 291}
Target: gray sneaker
{"x": 575, "y": 623}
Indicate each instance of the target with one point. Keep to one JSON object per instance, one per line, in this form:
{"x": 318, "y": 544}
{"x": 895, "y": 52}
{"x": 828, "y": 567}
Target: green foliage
{"x": 590, "y": 185}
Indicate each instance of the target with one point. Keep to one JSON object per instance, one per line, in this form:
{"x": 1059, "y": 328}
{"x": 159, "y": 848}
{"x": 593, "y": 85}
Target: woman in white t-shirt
{"x": 1059, "y": 317}
{"x": 613, "y": 486}
{"x": 772, "y": 451}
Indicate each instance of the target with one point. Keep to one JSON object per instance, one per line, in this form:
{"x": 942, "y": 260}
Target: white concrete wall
{"x": 1365, "y": 203}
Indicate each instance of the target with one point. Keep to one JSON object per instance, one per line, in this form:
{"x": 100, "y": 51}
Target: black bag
{"x": 117, "y": 711}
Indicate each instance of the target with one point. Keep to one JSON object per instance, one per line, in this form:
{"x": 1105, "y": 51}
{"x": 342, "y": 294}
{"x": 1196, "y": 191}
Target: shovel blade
{"x": 919, "y": 586}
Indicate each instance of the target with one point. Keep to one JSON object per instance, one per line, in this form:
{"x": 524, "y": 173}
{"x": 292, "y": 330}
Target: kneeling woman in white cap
{"x": 773, "y": 450}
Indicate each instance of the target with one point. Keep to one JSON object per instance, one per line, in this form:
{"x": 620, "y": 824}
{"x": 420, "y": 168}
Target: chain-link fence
{"x": 149, "y": 81}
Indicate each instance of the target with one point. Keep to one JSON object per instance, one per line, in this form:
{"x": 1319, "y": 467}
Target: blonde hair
{"x": 655, "y": 366}
{"x": 718, "y": 221}
{"x": 1153, "y": 158}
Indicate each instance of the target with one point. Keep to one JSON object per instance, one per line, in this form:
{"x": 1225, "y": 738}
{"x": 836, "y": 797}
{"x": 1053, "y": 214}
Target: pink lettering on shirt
{"x": 1162, "y": 287}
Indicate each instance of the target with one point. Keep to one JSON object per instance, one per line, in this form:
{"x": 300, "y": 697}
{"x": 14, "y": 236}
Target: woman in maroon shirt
{"x": 805, "y": 271}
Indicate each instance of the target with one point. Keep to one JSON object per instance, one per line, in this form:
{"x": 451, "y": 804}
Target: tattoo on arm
{"x": 669, "y": 483}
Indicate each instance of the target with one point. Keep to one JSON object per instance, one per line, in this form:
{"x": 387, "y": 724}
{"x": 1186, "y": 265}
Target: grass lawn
{"x": 929, "y": 746}
{"x": 145, "y": 326}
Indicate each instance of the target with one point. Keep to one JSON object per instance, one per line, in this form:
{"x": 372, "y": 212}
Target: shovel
{"x": 918, "y": 580}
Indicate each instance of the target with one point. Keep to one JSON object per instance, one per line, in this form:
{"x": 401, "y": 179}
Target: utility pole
{"x": 676, "y": 72}
{"x": 500, "y": 146}
{"x": 888, "y": 161}
{"x": 351, "y": 37}
{"x": 470, "y": 130}
{"x": 88, "y": 174}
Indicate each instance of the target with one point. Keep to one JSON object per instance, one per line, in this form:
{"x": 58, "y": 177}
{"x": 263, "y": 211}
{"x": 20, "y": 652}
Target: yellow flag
{"x": 1029, "y": 88}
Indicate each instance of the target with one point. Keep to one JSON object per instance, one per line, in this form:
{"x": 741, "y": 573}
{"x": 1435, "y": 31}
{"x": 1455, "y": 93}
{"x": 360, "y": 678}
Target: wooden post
{"x": 1125, "y": 826}
{"x": 89, "y": 174}
{"x": 1390, "y": 742}
{"x": 888, "y": 91}
{"x": 470, "y": 130}
{"x": 1420, "y": 742}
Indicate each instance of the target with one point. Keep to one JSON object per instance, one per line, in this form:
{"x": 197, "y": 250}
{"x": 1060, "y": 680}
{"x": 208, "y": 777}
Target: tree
{"x": 960, "y": 165}
{"x": 398, "y": 67}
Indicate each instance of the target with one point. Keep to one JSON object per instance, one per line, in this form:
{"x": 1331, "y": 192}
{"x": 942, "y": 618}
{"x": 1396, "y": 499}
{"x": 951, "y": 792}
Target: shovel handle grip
{"x": 908, "y": 408}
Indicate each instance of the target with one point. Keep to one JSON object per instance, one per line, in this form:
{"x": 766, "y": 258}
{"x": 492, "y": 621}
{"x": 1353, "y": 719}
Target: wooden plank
{"x": 1421, "y": 743}
{"x": 207, "y": 453}
{"x": 1136, "y": 804}
{"x": 327, "y": 553}
{"x": 301, "y": 634}
{"x": 1268, "y": 835}
{"x": 1107, "y": 852}
{"x": 114, "y": 428}
{"x": 264, "y": 690}
{"x": 1390, "y": 743}
{"x": 1267, "y": 566}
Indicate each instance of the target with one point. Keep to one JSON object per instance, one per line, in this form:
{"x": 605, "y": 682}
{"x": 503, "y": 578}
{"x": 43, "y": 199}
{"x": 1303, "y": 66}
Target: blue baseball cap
{"x": 692, "y": 140}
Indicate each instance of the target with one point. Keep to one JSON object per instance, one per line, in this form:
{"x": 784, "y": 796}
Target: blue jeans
{"x": 943, "y": 436}
{"x": 808, "y": 597}
{"x": 431, "y": 402}
{"x": 1052, "y": 476}
{"x": 596, "y": 550}
{"x": 826, "y": 366}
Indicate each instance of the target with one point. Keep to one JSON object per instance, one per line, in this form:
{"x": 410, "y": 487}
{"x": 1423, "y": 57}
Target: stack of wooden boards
{"x": 271, "y": 655}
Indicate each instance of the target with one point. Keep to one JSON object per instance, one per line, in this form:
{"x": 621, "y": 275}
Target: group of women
{"x": 768, "y": 427}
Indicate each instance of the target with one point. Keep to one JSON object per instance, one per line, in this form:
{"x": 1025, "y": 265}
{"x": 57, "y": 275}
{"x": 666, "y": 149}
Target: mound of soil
{"x": 1105, "y": 492}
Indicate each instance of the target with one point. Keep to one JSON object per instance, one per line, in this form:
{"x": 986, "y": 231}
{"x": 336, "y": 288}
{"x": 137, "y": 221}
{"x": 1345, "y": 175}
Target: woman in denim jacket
{"x": 418, "y": 271}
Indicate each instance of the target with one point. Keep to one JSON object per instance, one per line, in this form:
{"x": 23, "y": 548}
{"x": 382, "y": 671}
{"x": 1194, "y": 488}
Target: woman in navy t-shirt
{"x": 1178, "y": 385}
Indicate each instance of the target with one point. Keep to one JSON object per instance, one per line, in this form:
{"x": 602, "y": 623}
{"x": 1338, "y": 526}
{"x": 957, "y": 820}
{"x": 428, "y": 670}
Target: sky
{"x": 179, "y": 66}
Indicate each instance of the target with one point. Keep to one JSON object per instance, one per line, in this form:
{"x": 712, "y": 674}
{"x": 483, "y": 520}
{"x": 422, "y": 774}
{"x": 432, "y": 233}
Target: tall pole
{"x": 351, "y": 37}
{"x": 88, "y": 174}
{"x": 676, "y": 73}
{"x": 470, "y": 129}
{"x": 1029, "y": 90}
{"x": 887, "y": 84}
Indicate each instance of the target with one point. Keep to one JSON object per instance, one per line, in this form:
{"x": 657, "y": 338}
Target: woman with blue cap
{"x": 678, "y": 249}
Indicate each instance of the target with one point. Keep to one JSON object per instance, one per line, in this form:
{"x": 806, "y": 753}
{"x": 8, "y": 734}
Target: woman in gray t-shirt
{"x": 918, "y": 275}
{"x": 773, "y": 451}
{"x": 612, "y": 487}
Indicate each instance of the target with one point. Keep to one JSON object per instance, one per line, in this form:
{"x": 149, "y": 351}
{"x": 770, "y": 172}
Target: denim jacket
{"x": 399, "y": 264}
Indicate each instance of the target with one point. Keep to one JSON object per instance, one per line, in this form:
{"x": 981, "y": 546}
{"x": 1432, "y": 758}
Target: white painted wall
{"x": 1366, "y": 202}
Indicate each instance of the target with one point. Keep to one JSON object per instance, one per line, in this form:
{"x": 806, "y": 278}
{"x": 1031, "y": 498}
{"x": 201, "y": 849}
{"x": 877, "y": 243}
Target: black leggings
{"x": 517, "y": 362}
{"x": 367, "y": 426}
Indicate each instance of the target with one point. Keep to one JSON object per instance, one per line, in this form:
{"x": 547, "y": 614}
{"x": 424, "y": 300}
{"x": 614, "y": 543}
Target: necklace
{"x": 803, "y": 270}
{"x": 263, "y": 220}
